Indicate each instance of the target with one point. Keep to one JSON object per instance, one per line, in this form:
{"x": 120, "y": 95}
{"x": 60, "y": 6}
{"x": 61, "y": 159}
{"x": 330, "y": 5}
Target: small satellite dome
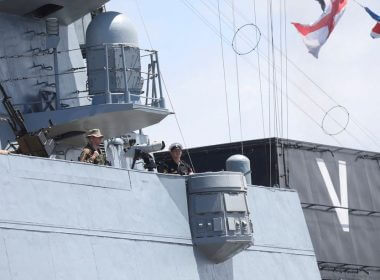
{"x": 113, "y": 28}
{"x": 240, "y": 163}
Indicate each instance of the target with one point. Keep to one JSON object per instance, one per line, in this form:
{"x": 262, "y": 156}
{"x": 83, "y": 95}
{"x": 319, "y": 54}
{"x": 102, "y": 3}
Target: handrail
{"x": 149, "y": 96}
{"x": 328, "y": 208}
{"x": 84, "y": 97}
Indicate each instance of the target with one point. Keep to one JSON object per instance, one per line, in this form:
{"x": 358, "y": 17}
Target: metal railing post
{"x": 127, "y": 96}
{"x": 56, "y": 76}
{"x": 154, "y": 87}
{"x": 108, "y": 92}
{"x": 148, "y": 84}
{"x": 162, "y": 100}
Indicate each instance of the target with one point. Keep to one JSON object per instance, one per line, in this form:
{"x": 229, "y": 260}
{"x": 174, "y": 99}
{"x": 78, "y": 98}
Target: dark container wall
{"x": 353, "y": 254}
{"x": 261, "y": 153}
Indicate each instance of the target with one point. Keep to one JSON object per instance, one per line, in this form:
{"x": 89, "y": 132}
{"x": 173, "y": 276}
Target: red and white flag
{"x": 316, "y": 34}
{"x": 375, "y": 33}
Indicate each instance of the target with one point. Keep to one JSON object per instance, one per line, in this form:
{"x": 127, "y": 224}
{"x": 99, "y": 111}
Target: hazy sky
{"x": 191, "y": 62}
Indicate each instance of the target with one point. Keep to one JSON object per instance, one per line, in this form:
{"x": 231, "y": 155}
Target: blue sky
{"x": 190, "y": 58}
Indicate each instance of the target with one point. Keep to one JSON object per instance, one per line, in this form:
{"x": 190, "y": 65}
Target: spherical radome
{"x": 111, "y": 27}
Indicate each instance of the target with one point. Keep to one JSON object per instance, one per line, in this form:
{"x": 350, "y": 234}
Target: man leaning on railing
{"x": 175, "y": 165}
{"x": 91, "y": 153}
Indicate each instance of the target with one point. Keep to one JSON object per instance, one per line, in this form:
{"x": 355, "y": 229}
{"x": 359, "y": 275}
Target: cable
{"x": 70, "y": 71}
{"x": 143, "y": 22}
{"x": 214, "y": 10}
{"x": 44, "y": 52}
{"x": 302, "y": 91}
{"x": 358, "y": 3}
{"x": 39, "y": 53}
{"x": 224, "y": 71}
{"x": 274, "y": 76}
{"x": 205, "y": 21}
{"x": 238, "y": 82}
{"x": 312, "y": 119}
{"x": 252, "y": 48}
{"x": 166, "y": 90}
{"x": 179, "y": 127}
{"x": 201, "y": 17}
{"x": 342, "y": 128}
{"x": 269, "y": 76}
{"x": 281, "y": 76}
{"x": 286, "y": 70}
{"x": 41, "y": 76}
{"x": 365, "y": 130}
{"x": 258, "y": 36}
{"x": 286, "y": 154}
{"x": 258, "y": 65}
{"x": 269, "y": 98}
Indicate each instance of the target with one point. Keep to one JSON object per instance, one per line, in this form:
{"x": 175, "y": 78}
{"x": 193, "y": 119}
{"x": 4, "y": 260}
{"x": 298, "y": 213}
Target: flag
{"x": 323, "y": 4}
{"x": 375, "y": 33}
{"x": 316, "y": 34}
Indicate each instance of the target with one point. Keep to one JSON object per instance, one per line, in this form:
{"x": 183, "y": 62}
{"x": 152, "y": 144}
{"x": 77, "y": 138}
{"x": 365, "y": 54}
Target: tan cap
{"x": 94, "y": 133}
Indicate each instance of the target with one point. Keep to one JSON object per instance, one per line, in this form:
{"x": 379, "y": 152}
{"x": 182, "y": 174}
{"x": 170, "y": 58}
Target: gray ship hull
{"x": 68, "y": 220}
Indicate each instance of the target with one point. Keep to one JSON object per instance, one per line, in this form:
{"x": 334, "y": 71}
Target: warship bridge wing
{"x": 67, "y": 11}
{"x": 112, "y": 119}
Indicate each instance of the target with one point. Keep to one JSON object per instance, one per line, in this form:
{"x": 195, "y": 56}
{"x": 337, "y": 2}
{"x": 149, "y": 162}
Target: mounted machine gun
{"x": 35, "y": 144}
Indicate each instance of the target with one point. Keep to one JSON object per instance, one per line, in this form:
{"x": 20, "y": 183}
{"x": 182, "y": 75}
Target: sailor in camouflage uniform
{"x": 175, "y": 165}
{"x": 91, "y": 153}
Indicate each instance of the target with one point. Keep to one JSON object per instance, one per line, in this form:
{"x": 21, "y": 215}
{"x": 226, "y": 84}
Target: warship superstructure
{"x": 63, "y": 219}
{"x": 338, "y": 189}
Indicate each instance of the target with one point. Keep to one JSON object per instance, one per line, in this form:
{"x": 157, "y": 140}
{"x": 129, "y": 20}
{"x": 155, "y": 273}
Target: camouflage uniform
{"x": 171, "y": 167}
{"x": 88, "y": 152}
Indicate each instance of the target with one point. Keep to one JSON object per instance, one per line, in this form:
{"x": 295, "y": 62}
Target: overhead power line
{"x": 237, "y": 81}
{"x": 259, "y": 68}
{"x": 212, "y": 27}
{"x": 166, "y": 89}
{"x": 224, "y": 72}
{"x": 370, "y": 135}
{"x": 357, "y": 123}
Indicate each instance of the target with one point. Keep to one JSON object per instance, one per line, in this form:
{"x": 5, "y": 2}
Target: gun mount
{"x": 35, "y": 144}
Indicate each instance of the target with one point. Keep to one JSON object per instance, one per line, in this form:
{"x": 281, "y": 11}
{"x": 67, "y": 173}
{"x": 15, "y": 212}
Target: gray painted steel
{"x": 361, "y": 245}
{"x": 74, "y": 221}
{"x": 113, "y": 119}
{"x": 81, "y": 28}
{"x": 240, "y": 163}
{"x": 113, "y": 59}
{"x": 71, "y": 11}
{"x": 23, "y": 77}
{"x": 28, "y": 39}
{"x": 352, "y": 254}
{"x": 219, "y": 215}
{"x": 111, "y": 28}
{"x": 68, "y": 220}
{"x": 29, "y": 75}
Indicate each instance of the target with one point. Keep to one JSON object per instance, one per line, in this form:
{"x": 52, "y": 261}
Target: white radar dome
{"x": 111, "y": 27}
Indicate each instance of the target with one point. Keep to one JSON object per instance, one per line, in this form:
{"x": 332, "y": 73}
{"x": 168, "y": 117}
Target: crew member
{"x": 91, "y": 153}
{"x": 175, "y": 165}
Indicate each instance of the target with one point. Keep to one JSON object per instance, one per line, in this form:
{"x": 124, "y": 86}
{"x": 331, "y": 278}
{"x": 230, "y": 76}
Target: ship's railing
{"x": 150, "y": 94}
{"x": 40, "y": 106}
